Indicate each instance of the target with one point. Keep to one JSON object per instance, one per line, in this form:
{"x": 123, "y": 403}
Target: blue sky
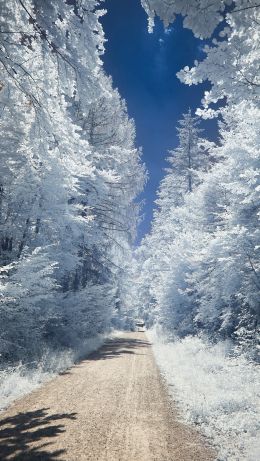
{"x": 143, "y": 67}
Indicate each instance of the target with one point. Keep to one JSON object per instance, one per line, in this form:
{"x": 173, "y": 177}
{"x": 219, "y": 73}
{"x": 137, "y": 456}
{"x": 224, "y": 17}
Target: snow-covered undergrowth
{"x": 218, "y": 392}
{"x": 24, "y": 378}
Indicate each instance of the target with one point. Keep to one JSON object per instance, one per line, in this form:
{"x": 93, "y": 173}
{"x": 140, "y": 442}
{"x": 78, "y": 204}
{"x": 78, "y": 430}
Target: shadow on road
{"x": 19, "y": 432}
{"x": 118, "y": 347}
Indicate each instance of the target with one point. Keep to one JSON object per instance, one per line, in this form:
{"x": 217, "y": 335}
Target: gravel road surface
{"x": 113, "y": 406}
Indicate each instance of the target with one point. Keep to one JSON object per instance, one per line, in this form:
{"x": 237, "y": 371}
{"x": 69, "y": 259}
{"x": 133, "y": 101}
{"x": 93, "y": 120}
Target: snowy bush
{"x": 215, "y": 390}
{"x": 25, "y": 377}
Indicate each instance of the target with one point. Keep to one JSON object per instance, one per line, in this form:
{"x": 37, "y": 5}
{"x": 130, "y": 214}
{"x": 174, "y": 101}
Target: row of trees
{"x": 200, "y": 265}
{"x": 70, "y": 174}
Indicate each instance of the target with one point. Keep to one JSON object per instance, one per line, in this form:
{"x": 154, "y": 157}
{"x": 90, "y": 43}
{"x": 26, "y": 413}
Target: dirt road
{"x": 111, "y": 407}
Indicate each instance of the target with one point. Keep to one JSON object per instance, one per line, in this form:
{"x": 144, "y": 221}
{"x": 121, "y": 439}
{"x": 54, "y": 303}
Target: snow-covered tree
{"x": 186, "y": 161}
{"x": 228, "y": 276}
{"x": 201, "y": 16}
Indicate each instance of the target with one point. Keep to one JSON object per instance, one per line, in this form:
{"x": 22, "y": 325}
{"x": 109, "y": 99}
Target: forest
{"x": 71, "y": 175}
{"x": 204, "y": 243}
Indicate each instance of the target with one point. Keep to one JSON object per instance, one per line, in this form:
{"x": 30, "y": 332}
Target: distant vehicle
{"x": 140, "y": 325}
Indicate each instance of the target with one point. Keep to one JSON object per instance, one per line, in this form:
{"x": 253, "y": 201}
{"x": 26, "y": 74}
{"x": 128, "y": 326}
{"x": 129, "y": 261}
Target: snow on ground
{"x": 18, "y": 381}
{"x": 218, "y": 392}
